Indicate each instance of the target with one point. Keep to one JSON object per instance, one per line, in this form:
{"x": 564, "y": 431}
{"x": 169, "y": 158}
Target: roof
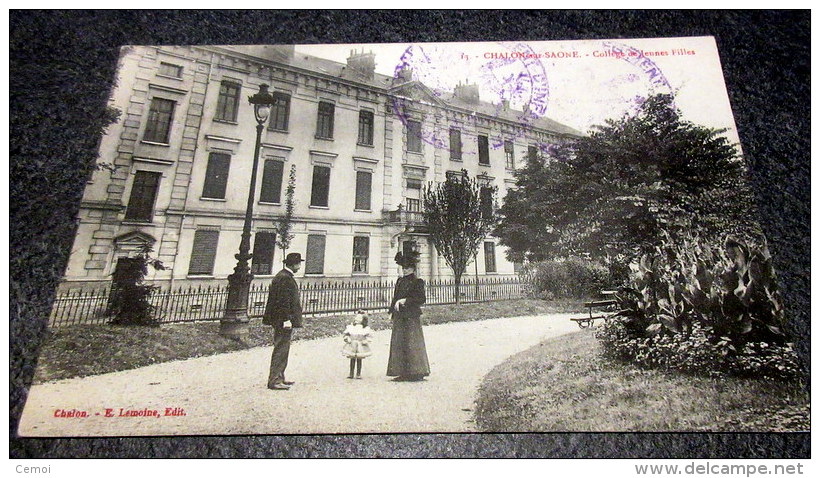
{"x": 340, "y": 70}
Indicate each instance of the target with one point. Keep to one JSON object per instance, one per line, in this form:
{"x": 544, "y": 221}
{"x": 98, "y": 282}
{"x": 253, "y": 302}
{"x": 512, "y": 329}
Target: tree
{"x": 129, "y": 302}
{"x": 458, "y": 219}
{"x": 285, "y": 223}
{"x": 615, "y": 191}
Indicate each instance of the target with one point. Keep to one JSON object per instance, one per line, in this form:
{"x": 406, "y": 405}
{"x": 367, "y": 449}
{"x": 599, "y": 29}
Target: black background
{"x": 62, "y": 64}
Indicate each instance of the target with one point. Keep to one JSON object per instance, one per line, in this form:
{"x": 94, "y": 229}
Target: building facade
{"x": 362, "y": 146}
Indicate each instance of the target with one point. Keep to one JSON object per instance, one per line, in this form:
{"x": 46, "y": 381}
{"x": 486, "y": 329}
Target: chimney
{"x": 362, "y": 63}
{"x": 505, "y": 104}
{"x": 467, "y": 92}
{"x": 405, "y": 74}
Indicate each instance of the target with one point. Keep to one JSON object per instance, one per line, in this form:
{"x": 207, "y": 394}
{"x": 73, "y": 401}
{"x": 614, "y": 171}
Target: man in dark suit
{"x": 284, "y": 312}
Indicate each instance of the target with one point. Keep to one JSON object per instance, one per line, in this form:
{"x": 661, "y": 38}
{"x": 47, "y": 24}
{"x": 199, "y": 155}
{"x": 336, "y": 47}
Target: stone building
{"x": 362, "y": 144}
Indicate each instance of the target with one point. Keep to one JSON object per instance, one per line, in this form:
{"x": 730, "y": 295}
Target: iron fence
{"x": 202, "y": 303}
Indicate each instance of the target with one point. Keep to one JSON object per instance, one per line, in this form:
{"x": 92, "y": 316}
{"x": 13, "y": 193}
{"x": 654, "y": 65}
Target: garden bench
{"x": 597, "y": 310}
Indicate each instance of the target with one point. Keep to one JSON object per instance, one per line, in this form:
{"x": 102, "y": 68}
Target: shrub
{"x": 129, "y": 300}
{"x": 571, "y": 278}
{"x": 697, "y": 353}
{"x": 697, "y": 308}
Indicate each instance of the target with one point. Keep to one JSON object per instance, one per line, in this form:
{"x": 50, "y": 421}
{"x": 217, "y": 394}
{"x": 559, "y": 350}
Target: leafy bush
{"x": 697, "y": 308}
{"x": 571, "y": 278}
{"x": 129, "y": 300}
{"x": 697, "y": 353}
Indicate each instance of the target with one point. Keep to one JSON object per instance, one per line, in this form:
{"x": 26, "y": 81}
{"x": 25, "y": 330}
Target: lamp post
{"x": 234, "y": 323}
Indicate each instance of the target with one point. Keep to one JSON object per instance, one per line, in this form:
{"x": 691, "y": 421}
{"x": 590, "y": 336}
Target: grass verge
{"x": 564, "y": 384}
{"x": 82, "y": 350}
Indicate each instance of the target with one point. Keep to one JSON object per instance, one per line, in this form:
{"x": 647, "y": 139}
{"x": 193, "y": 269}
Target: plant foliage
{"x": 284, "y": 224}
{"x": 458, "y": 219}
{"x": 129, "y": 302}
{"x": 618, "y": 189}
{"x": 572, "y": 278}
{"x": 717, "y": 308}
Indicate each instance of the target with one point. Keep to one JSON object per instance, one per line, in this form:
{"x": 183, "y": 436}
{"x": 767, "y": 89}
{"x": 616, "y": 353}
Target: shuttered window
{"x": 361, "y": 253}
{"x": 455, "y": 144}
{"x": 486, "y": 200}
{"x": 315, "y": 254}
{"x": 366, "y": 127}
{"x": 364, "y": 181}
{"x": 280, "y": 111}
{"x": 159, "y": 120}
{"x": 321, "y": 186}
{"x": 324, "y": 122}
{"x": 143, "y": 195}
{"x": 272, "y": 181}
{"x": 483, "y": 150}
{"x": 216, "y": 176}
{"x": 203, "y": 253}
{"x": 414, "y": 136}
{"x": 489, "y": 257}
{"x": 264, "y": 248}
{"x": 227, "y": 104}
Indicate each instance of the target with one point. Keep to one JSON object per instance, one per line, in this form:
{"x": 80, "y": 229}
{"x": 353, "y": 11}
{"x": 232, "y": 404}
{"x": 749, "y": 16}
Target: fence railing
{"x": 197, "y": 303}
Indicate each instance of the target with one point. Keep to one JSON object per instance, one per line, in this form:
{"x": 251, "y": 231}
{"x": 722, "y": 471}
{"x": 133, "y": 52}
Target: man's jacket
{"x": 283, "y": 301}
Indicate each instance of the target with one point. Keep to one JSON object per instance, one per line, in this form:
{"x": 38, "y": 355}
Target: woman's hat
{"x": 407, "y": 259}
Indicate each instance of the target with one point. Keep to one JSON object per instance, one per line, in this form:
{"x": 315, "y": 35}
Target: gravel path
{"x": 226, "y": 394}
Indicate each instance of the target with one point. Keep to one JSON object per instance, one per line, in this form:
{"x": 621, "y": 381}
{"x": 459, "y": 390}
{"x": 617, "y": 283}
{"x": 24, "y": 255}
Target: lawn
{"x": 565, "y": 384}
{"x": 82, "y": 350}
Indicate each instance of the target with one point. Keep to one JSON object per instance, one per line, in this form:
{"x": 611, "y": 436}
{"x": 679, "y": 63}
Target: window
{"x": 203, "y": 252}
{"x": 455, "y": 144}
{"x": 364, "y": 181}
{"x": 361, "y": 252}
{"x": 143, "y": 195}
{"x": 280, "y": 111}
{"x": 489, "y": 257}
{"x": 216, "y": 176}
{"x": 483, "y": 150}
{"x": 264, "y": 248}
{"x": 413, "y": 195}
{"x": 414, "y": 136}
{"x": 159, "y": 120}
{"x": 324, "y": 123}
{"x": 228, "y": 102}
{"x": 366, "y": 127}
{"x": 315, "y": 254}
{"x": 518, "y": 267}
{"x": 169, "y": 69}
{"x": 321, "y": 186}
{"x": 486, "y": 201}
{"x": 413, "y": 205}
{"x": 532, "y": 152}
{"x": 272, "y": 181}
{"x": 509, "y": 155}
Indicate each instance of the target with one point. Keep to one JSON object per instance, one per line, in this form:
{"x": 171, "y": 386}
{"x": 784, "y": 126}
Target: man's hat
{"x": 293, "y": 258}
{"x": 408, "y": 259}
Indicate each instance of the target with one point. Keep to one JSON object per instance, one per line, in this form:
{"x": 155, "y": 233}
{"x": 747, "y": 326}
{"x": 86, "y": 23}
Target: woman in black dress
{"x": 408, "y": 355}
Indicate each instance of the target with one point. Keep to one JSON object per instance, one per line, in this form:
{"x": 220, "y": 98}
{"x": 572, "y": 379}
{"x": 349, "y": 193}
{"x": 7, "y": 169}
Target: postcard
{"x": 531, "y": 236}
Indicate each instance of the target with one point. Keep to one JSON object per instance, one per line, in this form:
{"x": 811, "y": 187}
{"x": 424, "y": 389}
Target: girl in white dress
{"x": 357, "y": 342}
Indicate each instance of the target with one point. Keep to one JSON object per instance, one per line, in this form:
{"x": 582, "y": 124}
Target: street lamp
{"x": 234, "y": 323}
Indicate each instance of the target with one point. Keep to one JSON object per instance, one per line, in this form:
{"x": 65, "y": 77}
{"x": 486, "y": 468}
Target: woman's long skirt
{"x": 408, "y": 355}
